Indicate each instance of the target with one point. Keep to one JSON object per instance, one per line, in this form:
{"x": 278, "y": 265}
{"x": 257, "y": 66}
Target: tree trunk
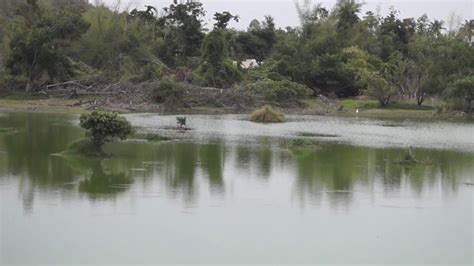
{"x": 29, "y": 85}
{"x": 420, "y": 99}
{"x": 384, "y": 101}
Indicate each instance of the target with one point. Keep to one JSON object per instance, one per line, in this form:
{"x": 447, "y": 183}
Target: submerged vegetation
{"x": 301, "y": 143}
{"x": 155, "y": 137}
{"x": 335, "y": 52}
{"x": 7, "y": 130}
{"x": 267, "y": 114}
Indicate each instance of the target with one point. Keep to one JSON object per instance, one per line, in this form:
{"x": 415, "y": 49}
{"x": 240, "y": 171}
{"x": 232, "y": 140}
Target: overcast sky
{"x": 285, "y": 14}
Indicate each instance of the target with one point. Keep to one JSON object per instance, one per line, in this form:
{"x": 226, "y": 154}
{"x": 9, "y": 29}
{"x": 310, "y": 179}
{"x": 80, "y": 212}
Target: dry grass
{"x": 267, "y": 114}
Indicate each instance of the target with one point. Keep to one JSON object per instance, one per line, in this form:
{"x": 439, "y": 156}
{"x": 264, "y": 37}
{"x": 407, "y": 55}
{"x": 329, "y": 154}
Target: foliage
{"x": 377, "y": 76}
{"x": 283, "y": 91}
{"x": 257, "y": 42}
{"x": 103, "y": 127}
{"x": 169, "y": 91}
{"x": 223, "y": 19}
{"x": 334, "y": 51}
{"x": 181, "y": 121}
{"x": 216, "y": 67}
{"x": 462, "y": 89}
{"x": 184, "y": 19}
{"x": 267, "y": 114}
{"x": 38, "y": 42}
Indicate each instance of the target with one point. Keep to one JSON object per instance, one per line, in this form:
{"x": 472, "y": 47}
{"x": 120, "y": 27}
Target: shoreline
{"x": 321, "y": 106}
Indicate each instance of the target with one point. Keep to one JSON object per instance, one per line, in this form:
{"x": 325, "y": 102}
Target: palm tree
{"x": 436, "y": 27}
{"x": 467, "y": 30}
{"x": 347, "y": 11}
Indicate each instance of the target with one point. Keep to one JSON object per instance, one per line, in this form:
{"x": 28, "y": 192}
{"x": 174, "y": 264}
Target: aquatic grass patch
{"x": 8, "y": 130}
{"x": 301, "y": 147}
{"x": 410, "y": 159}
{"x": 316, "y": 135}
{"x": 267, "y": 114}
{"x": 153, "y": 137}
{"x": 301, "y": 142}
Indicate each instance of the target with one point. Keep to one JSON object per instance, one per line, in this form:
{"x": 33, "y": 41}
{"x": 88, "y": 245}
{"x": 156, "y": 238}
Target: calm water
{"x": 230, "y": 191}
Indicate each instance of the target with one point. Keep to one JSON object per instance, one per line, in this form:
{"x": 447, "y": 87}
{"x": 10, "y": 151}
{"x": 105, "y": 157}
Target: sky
{"x": 284, "y": 11}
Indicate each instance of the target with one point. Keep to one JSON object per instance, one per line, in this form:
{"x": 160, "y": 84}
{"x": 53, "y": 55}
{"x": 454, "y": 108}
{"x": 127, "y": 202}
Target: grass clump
{"x": 267, "y": 114}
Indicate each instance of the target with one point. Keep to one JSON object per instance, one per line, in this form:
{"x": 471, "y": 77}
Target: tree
{"x": 467, "y": 30}
{"x": 103, "y": 127}
{"x": 216, "y": 67}
{"x": 378, "y": 77}
{"x": 223, "y": 19}
{"x": 259, "y": 40}
{"x": 186, "y": 19}
{"x": 310, "y": 14}
{"x": 346, "y": 12}
{"x": 436, "y": 27}
{"x": 462, "y": 89}
{"x": 37, "y": 45}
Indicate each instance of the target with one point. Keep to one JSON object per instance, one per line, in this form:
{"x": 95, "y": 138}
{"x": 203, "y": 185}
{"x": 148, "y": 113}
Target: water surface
{"x": 231, "y": 191}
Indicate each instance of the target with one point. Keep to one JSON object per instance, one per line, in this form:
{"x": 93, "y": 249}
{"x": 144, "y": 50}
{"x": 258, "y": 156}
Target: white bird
{"x": 357, "y": 110}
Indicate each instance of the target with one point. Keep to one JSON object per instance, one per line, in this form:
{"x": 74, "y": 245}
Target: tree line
{"x": 337, "y": 51}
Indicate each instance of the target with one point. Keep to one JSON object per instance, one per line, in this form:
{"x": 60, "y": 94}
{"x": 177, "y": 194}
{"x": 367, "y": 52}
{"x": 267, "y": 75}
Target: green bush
{"x": 169, "y": 91}
{"x": 105, "y": 127}
{"x": 282, "y": 91}
{"x": 216, "y": 68}
{"x": 461, "y": 91}
{"x": 267, "y": 114}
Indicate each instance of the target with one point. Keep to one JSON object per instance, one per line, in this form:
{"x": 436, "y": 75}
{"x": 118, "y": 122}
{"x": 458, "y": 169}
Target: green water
{"x": 230, "y": 191}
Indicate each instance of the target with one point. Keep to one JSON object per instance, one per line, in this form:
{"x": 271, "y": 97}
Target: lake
{"x": 232, "y": 191}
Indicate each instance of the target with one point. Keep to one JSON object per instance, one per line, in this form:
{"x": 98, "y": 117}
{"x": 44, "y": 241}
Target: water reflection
{"x": 102, "y": 178}
{"x": 188, "y": 171}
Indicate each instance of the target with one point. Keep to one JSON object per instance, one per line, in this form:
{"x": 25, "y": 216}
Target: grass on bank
{"x": 371, "y": 108}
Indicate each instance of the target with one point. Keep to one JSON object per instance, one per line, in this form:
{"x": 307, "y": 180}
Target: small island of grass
{"x": 267, "y": 114}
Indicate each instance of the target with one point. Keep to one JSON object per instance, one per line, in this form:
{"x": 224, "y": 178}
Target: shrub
{"x": 462, "y": 90}
{"x": 216, "y": 68}
{"x": 169, "y": 91}
{"x": 267, "y": 114}
{"x": 103, "y": 127}
{"x": 282, "y": 91}
{"x": 181, "y": 121}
